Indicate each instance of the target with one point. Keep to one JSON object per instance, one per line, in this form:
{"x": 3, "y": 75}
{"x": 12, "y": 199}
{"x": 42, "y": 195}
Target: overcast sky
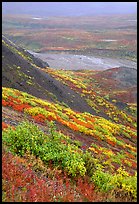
{"x": 68, "y": 8}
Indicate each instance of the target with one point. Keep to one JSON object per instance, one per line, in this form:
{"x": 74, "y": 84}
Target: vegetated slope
{"x": 22, "y": 71}
{"x": 103, "y": 149}
{"x": 85, "y": 91}
{"x": 120, "y": 83}
{"x": 112, "y": 145}
{"x": 99, "y": 93}
{"x": 116, "y": 80}
{"x": 19, "y": 71}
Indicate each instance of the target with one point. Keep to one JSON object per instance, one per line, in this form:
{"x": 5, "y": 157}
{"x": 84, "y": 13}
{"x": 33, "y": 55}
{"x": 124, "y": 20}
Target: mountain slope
{"x": 65, "y": 133}
{"x": 95, "y": 129}
{"x": 125, "y": 77}
{"x": 89, "y": 91}
{"x": 96, "y": 148}
{"x": 21, "y": 73}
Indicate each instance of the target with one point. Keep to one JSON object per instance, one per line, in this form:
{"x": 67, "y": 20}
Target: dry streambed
{"x": 79, "y": 62}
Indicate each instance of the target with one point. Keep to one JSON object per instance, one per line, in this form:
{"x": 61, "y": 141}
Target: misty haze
{"x": 69, "y": 8}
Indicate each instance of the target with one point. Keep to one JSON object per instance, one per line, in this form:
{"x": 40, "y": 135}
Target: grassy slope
{"x": 105, "y": 133}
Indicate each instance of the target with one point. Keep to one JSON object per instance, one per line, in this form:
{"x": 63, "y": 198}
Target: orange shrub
{"x": 73, "y": 126}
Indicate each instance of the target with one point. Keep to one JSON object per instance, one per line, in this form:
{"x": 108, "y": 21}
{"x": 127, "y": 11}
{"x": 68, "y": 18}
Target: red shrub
{"x": 39, "y": 118}
{"x": 111, "y": 142}
{"x": 20, "y": 107}
{"x": 17, "y": 180}
{"x": 130, "y": 155}
{"x": 86, "y": 190}
{"x": 134, "y": 164}
{"x": 4, "y": 103}
{"x": 50, "y": 118}
{"x": 4, "y": 125}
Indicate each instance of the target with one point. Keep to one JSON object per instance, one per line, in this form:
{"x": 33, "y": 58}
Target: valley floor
{"x": 80, "y": 62}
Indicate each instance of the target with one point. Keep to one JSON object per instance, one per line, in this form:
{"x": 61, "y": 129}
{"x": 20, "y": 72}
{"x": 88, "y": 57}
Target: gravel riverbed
{"x": 81, "y": 62}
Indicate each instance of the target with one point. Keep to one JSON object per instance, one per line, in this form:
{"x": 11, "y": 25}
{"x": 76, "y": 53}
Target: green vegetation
{"x": 120, "y": 181}
{"x": 28, "y": 138}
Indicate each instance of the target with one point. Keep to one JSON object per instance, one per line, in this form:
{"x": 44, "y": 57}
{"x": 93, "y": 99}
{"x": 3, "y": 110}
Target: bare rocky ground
{"x": 81, "y": 62}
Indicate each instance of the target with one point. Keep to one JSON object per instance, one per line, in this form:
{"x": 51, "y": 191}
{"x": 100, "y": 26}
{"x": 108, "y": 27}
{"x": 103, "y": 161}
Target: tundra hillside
{"x": 67, "y": 135}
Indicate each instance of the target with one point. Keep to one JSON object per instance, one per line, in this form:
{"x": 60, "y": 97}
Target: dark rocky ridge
{"x": 127, "y": 77}
{"x": 29, "y": 56}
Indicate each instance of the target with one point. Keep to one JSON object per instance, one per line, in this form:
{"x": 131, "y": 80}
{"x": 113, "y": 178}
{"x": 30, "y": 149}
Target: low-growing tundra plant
{"x": 29, "y": 138}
